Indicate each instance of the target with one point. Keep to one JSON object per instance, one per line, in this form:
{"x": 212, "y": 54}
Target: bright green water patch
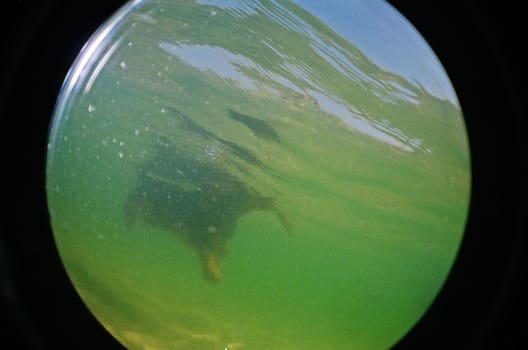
{"x": 240, "y": 177}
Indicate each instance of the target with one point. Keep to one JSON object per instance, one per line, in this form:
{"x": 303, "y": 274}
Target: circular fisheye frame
{"x": 257, "y": 175}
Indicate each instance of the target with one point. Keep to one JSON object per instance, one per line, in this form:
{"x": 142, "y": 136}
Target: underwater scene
{"x": 237, "y": 175}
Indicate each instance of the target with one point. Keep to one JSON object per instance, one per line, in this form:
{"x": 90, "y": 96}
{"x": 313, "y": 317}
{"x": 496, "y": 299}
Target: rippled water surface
{"x": 235, "y": 175}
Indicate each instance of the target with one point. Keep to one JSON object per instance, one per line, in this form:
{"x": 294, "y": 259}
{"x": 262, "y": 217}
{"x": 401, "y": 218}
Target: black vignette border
{"x": 483, "y": 302}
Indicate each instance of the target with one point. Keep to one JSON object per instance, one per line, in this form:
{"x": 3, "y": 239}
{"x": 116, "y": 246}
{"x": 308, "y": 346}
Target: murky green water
{"x": 371, "y": 171}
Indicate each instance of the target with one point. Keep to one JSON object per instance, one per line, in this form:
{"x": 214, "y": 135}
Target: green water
{"x": 377, "y": 201}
